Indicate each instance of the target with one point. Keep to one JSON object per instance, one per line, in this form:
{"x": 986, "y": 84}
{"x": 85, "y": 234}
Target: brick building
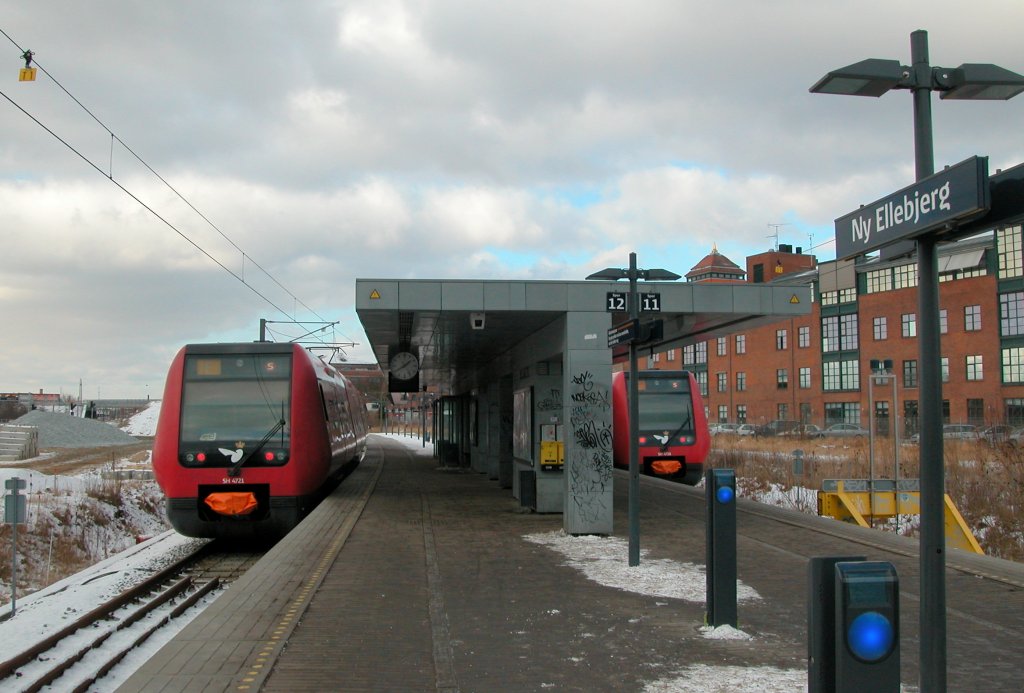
{"x": 815, "y": 368}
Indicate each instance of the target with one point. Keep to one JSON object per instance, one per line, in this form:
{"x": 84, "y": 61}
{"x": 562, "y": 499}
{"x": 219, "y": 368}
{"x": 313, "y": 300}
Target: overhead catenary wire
{"x": 109, "y": 175}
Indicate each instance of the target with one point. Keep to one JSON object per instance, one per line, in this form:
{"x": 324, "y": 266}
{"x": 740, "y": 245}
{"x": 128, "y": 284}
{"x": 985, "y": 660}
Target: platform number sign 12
{"x": 618, "y": 302}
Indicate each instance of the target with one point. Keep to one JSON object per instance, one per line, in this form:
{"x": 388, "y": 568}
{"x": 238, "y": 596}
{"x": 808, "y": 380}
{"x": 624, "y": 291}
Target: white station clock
{"x": 404, "y": 365}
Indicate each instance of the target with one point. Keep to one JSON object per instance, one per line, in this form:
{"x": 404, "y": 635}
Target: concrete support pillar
{"x": 587, "y": 412}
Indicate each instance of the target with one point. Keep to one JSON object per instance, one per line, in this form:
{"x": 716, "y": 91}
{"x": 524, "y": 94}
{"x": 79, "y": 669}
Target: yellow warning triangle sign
{"x": 374, "y": 294}
{"x": 794, "y": 299}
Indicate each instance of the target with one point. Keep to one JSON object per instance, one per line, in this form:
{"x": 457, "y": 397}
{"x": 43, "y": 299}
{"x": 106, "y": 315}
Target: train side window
{"x": 323, "y": 403}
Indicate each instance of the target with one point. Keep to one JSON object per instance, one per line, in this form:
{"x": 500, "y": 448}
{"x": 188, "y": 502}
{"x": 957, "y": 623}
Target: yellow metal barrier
{"x": 850, "y": 500}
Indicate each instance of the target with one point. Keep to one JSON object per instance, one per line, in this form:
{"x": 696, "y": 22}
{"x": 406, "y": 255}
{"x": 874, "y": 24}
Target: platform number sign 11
{"x": 618, "y": 302}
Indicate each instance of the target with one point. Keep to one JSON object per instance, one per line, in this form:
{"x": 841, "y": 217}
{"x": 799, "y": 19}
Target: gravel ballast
{"x": 66, "y": 431}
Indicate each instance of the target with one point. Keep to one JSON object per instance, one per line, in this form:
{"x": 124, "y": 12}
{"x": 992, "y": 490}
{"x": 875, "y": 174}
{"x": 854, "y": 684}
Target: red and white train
{"x": 672, "y": 433}
{"x": 248, "y": 436}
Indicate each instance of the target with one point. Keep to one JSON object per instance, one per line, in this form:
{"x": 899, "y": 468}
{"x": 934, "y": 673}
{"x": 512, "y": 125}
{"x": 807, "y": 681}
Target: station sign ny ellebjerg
{"x": 947, "y": 197}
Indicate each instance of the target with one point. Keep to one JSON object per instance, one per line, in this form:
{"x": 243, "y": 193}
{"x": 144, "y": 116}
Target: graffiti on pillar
{"x": 552, "y": 401}
{"x": 590, "y": 463}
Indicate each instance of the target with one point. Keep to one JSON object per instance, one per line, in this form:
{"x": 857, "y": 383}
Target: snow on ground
{"x": 603, "y": 560}
{"x": 44, "y": 612}
{"x": 144, "y": 423}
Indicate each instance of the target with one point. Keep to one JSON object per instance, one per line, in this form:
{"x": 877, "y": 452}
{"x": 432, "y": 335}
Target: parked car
{"x": 746, "y": 430}
{"x": 951, "y": 432}
{"x": 997, "y": 434}
{"x": 729, "y": 428}
{"x": 774, "y": 428}
{"x": 960, "y": 432}
{"x": 804, "y": 431}
{"x": 847, "y": 430}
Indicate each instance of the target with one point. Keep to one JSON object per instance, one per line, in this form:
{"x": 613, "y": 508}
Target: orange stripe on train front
{"x": 666, "y": 466}
{"x": 231, "y": 503}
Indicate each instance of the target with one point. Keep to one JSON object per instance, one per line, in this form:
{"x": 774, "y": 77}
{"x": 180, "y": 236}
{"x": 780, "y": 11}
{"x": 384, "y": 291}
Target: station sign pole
{"x": 14, "y": 514}
{"x": 633, "y": 332}
{"x": 976, "y": 81}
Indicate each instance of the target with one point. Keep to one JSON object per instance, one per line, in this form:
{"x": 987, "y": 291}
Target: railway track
{"x": 77, "y": 657}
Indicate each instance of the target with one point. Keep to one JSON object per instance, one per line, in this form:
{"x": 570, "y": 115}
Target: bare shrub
{"x": 105, "y": 491}
{"x": 985, "y": 483}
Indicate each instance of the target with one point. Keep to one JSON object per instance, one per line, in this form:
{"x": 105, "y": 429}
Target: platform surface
{"x": 411, "y": 577}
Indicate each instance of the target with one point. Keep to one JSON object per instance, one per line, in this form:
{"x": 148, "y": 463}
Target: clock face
{"x": 404, "y": 365}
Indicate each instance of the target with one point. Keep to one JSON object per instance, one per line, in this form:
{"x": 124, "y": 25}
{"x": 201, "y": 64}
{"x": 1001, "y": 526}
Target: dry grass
{"x": 986, "y": 483}
{"x": 67, "y": 533}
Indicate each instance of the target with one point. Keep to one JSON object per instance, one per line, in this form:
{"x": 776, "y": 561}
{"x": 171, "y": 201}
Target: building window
{"x": 670, "y": 355}
{"x": 943, "y": 322}
{"x": 879, "y": 280}
{"x": 741, "y": 382}
{"x": 1011, "y": 261}
{"x": 651, "y": 360}
{"x": 781, "y": 340}
{"x": 781, "y": 378}
{"x": 805, "y": 412}
{"x": 723, "y": 382}
{"x": 848, "y": 332}
{"x": 838, "y": 333}
{"x": 910, "y": 420}
{"x": 829, "y": 298}
{"x": 910, "y": 373}
{"x": 741, "y": 344}
{"x": 840, "y": 375}
{"x": 723, "y": 413}
{"x": 1013, "y": 365}
{"x": 1011, "y": 313}
{"x": 880, "y": 328}
{"x": 782, "y": 411}
{"x": 702, "y": 352}
{"x": 975, "y": 371}
{"x": 723, "y": 348}
{"x": 842, "y": 412}
{"x": 805, "y": 378}
{"x": 909, "y": 322}
{"x": 702, "y": 382}
{"x": 741, "y": 413}
{"x": 803, "y": 337}
{"x": 905, "y": 276}
{"x": 881, "y": 418}
{"x": 689, "y": 354}
{"x": 976, "y": 412}
{"x": 944, "y": 366}
{"x": 972, "y": 318}
{"x": 1013, "y": 411}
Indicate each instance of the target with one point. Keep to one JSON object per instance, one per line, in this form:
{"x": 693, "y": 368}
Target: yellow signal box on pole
{"x": 27, "y": 74}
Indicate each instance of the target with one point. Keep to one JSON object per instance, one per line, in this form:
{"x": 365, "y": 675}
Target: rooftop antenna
{"x": 776, "y": 234}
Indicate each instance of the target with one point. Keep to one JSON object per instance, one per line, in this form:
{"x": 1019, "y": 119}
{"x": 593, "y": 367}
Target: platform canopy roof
{"x": 458, "y": 326}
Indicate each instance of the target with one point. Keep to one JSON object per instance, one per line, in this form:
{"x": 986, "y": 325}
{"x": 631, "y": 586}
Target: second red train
{"x": 672, "y": 433}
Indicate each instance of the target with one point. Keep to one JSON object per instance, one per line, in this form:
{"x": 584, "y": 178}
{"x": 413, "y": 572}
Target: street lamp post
{"x": 882, "y": 371}
{"x": 633, "y": 274}
{"x": 874, "y": 77}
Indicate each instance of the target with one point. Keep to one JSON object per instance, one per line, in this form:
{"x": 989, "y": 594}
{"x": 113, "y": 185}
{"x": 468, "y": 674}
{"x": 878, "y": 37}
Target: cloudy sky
{"x": 183, "y": 169}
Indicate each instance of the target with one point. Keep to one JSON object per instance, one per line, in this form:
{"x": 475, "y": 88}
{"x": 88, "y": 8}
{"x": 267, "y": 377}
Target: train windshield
{"x": 236, "y": 398}
{"x": 665, "y": 404}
